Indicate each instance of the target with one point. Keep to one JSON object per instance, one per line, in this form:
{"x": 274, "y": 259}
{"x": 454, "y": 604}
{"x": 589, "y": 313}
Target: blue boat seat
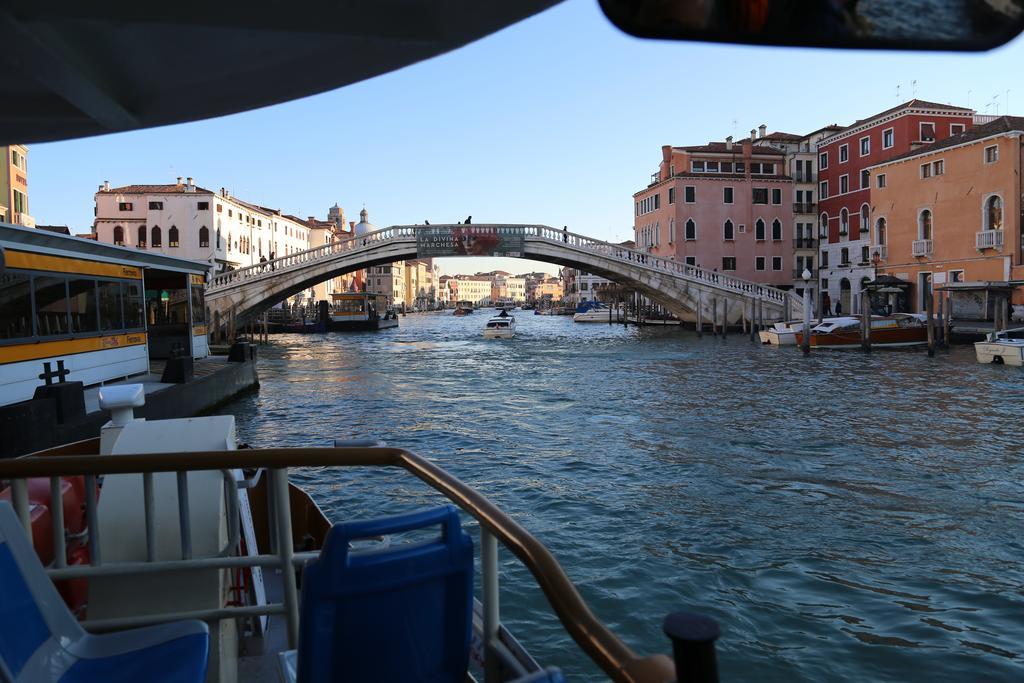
{"x": 40, "y": 640}
{"x": 401, "y": 613}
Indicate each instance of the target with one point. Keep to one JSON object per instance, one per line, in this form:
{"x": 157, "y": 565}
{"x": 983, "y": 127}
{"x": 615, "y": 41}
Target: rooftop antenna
{"x": 913, "y": 85}
{"x": 897, "y": 92}
{"x": 995, "y": 101}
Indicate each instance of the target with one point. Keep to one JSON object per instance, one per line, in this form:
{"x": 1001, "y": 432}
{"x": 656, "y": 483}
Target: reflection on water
{"x": 848, "y": 516}
{"x": 917, "y": 19}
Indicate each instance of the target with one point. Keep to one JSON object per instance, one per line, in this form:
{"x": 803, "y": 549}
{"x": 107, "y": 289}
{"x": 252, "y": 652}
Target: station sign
{"x": 469, "y": 240}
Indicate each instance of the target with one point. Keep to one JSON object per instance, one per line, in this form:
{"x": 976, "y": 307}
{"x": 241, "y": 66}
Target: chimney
{"x": 753, "y": 134}
{"x": 190, "y": 186}
{"x": 728, "y": 143}
{"x": 352, "y": 226}
{"x": 179, "y": 180}
{"x": 762, "y": 129}
{"x": 106, "y": 186}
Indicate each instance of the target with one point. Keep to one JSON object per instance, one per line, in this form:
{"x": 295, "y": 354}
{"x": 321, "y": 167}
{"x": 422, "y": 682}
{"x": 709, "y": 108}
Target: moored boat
{"x": 897, "y": 330}
{"x": 595, "y": 312}
{"x": 1003, "y": 347}
{"x": 463, "y": 308}
{"x": 355, "y": 311}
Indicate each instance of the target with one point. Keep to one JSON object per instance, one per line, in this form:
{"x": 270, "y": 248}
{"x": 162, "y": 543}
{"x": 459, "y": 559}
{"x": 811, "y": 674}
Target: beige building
{"x": 14, "y": 186}
{"x": 388, "y": 280}
{"x": 473, "y": 288}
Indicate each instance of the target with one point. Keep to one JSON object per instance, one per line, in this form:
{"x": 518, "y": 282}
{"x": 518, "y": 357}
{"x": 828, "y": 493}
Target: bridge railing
{"x": 300, "y": 258}
{"x": 627, "y": 255}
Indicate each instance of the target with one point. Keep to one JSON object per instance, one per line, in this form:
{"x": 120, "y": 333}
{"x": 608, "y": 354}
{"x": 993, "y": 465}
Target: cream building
{"x": 473, "y": 288}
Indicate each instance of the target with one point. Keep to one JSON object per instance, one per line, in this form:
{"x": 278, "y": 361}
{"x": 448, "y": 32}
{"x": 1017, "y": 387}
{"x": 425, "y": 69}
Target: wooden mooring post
{"x": 947, "y": 323}
{"x": 865, "y": 322}
{"x": 928, "y": 305}
{"x": 700, "y": 315}
{"x": 941, "y": 331}
{"x": 753, "y": 307}
{"x": 725, "y": 317}
{"x": 714, "y": 317}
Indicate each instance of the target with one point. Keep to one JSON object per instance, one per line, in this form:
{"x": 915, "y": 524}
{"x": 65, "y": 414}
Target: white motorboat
{"x": 781, "y": 333}
{"x": 595, "y": 312}
{"x": 500, "y": 327}
{"x": 1005, "y": 347}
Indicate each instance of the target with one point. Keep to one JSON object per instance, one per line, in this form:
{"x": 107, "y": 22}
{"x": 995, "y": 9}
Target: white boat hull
{"x": 499, "y": 334}
{"x": 600, "y": 316}
{"x": 1003, "y": 352}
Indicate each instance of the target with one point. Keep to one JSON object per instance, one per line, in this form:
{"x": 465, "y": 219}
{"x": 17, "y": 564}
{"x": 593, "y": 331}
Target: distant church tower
{"x": 336, "y": 215}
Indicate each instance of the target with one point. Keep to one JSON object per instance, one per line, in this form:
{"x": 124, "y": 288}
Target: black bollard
{"x": 693, "y": 646}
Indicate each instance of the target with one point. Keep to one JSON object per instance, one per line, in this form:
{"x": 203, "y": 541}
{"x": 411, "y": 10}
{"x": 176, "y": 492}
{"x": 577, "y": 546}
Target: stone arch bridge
{"x": 682, "y": 289}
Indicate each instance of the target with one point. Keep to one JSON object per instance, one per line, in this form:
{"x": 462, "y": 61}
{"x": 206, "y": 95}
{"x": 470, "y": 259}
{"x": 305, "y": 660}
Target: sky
{"x": 557, "y": 120}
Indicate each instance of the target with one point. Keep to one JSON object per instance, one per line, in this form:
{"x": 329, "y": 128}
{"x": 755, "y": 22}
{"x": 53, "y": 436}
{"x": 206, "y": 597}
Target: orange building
{"x": 14, "y": 186}
{"x": 948, "y": 215}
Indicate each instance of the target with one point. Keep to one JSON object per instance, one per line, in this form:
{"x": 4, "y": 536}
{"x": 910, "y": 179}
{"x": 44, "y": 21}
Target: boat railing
{"x": 599, "y": 643}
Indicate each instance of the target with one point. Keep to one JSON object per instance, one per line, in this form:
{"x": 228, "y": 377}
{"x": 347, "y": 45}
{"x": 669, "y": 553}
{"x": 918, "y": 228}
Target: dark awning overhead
{"x": 76, "y": 68}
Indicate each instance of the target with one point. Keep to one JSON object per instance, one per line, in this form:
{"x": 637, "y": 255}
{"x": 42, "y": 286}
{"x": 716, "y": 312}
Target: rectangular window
{"x": 939, "y": 167}
{"x": 229, "y": 213}
{"x": 992, "y": 154}
{"x": 755, "y": 167}
{"x": 51, "y": 295}
{"x": 690, "y": 194}
{"x": 203, "y": 206}
{"x": 124, "y": 206}
{"x": 740, "y": 167}
{"x": 760, "y": 195}
{"x": 220, "y": 208}
{"x": 671, "y": 195}
{"x": 697, "y": 166}
{"x": 956, "y": 128}
{"x": 15, "y": 306}
{"x": 823, "y": 161}
{"x": 880, "y": 180}
{"x": 156, "y": 206}
{"x": 844, "y": 184}
{"x": 691, "y": 260}
{"x": 759, "y": 263}
{"x": 926, "y": 170}
{"x": 888, "y": 138}
{"x": 865, "y": 179}
{"x": 728, "y": 263}
{"x": 727, "y": 195}
{"x": 133, "y": 306}
{"x": 823, "y": 189}
{"x": 776, "y": 263}
{"x": 824, "y": 259}
{"x": 865, "y": 146}
{"x": 20, "y": 202}
{"x": 776, "y": 195}
{"x": 927, "y": 132}
{"x": 726, "y": 167}
{"x": 110, "y": 306}
{"x": 84, "y": 309}
{"x": 844, "y": 153}
{"x": 711, "y": 166}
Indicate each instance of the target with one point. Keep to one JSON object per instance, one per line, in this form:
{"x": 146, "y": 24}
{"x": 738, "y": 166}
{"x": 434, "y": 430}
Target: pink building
{"x": 722, "y": 206}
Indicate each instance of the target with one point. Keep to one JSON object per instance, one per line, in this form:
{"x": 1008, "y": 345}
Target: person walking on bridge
{"x": 263, "y": 262}
{"x": 565, "y": 234}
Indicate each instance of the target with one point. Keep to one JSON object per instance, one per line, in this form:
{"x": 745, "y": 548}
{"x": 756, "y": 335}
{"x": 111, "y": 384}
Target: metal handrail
{"x": 612, "y": 655}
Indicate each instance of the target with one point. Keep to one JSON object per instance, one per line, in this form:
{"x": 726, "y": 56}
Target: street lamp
{"x": 806, "y": 345}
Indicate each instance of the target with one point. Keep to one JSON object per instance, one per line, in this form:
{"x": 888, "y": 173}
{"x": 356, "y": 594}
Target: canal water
{"x": 847, "y": 516}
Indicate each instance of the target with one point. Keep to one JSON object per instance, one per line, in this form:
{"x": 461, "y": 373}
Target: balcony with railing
{"x": 922, "y": 248}
{"x": 989, "y": 239}
{"x": 24, "y": 219}
{"x": 805, "y": 243}
{"x": 805, "y": 177}
{"x": 804, "y": 207}
{"x": 881, "y": 250}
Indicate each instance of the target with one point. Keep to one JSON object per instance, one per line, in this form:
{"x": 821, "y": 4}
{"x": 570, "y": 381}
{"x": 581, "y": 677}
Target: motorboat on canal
{"x": 502, "y": 326}
{"x": 780, "y": 334}
{"x": 355, "y": 311}
{"x": 463, "y": 308}
{"x": 1003, "y": 347}
{"x": 595, "y": 312}
{"x": 896, "y": 330}
{"x": 161, "y": 551}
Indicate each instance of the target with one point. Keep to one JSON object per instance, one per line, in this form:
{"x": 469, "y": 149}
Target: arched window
{"x": 172, "y": 236}
{"x": 204, "y": 236}
{"x": 119, "y": 235}
{"x": 142, "y": 237}
{"x": 844, "y": 222}
{"x": 728, "y": 232}
{"x": 880, "y": 231}
{"x": 824, "y": 226}
{"x": 218, "y": 238}
{"x": 230, "y": 242}
{"x": 777, "y": 230}
{"x": 865, "y": 220}
{"x": 691, "y": 229}
{"x": 759, "y": 229}
{"x": 924, "y": 225}
{"x": 994, "y": 213}
{"x": 157, "y": 237}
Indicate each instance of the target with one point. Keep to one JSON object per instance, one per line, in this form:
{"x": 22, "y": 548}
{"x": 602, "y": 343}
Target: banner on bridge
{"x": 469, "y": 240}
